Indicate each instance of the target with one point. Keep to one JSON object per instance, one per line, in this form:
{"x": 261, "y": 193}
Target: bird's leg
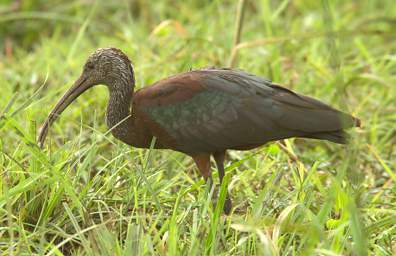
{"x": 203, "y": 163}
{"x": 219, "y": 158}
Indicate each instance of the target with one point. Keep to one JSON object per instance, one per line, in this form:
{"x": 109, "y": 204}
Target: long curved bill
{"x": 79, "y": 86}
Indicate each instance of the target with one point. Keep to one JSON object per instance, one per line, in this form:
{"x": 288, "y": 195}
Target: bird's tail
{"x": 338, "y": 136}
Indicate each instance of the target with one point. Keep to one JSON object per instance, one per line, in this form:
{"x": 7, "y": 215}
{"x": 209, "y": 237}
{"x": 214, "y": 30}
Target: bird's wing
{"x": 216, "y": 109}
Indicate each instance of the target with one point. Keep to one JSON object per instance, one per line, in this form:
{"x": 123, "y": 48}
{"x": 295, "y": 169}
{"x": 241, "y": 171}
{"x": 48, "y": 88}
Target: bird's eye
{"x": 89, "y": 66}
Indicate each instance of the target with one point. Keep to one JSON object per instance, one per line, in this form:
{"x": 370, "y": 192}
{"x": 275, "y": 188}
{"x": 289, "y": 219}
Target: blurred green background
{"x": 88, "y": 194}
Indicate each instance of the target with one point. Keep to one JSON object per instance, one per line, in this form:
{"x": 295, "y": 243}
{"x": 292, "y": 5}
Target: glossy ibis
{"x": 202, "y": 112}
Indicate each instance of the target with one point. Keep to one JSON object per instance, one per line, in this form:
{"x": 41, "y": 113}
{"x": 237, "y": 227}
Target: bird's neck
{"x": 118, "y": 116}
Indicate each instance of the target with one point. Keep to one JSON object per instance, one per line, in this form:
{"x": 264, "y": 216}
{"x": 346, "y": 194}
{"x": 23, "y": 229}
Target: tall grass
{"x": 88, "y": 194}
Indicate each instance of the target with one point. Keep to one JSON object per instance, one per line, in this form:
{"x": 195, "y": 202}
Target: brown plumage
{"x": 203, "y": 112}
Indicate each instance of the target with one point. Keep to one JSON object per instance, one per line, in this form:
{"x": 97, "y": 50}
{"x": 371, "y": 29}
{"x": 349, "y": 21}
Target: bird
{"x": 202, "y": 113}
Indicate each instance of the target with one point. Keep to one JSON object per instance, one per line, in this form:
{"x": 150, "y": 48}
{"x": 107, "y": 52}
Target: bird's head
{"x": 107, "y": 66}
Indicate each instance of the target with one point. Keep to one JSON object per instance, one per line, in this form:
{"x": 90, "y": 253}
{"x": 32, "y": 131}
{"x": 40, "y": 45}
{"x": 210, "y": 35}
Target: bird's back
{"x": 211, "y": 110}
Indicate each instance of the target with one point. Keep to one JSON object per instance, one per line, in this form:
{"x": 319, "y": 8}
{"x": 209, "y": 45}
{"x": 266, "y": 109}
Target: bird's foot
{"x": 227, "y": 207}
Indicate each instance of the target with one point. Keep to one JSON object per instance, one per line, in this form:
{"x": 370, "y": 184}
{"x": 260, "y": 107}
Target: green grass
{"x": 89, "y": 194}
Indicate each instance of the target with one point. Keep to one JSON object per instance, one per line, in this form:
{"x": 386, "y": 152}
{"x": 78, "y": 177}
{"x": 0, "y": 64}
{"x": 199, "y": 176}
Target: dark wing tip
{"x": 357, "y": 121}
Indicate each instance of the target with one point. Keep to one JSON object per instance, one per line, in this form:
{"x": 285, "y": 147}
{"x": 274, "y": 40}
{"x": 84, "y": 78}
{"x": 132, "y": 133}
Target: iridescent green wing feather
{"x": 234, "y": 109}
